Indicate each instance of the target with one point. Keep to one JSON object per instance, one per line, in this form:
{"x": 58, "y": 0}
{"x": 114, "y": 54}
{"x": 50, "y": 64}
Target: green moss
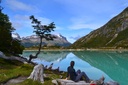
{"x": 122, "y": 36}
{"x": 13, "y": 69}
{"x": 10, "y": 69}
{"x": 29, "y": 82}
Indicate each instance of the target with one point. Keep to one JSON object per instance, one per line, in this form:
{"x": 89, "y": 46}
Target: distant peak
{"x": 126, "y": 9}
{"x": 16, "y": 36}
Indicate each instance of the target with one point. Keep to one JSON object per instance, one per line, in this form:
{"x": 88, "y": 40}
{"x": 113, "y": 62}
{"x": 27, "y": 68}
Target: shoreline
{"x": 92, "y": 49}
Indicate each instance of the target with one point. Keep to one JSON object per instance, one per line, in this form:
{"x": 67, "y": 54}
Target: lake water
{"x": 113, "y": 65}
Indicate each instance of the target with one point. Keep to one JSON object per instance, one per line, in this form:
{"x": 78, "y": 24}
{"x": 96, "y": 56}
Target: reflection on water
{"x": 113, "y": 65}
{"x": 48, "y": 56}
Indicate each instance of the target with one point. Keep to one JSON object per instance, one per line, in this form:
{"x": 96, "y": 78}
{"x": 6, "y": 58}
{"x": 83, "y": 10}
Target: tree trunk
{"x": 37, "y": 73}
{"x": 31, "y": 56}
{"x": 40, "y": 45}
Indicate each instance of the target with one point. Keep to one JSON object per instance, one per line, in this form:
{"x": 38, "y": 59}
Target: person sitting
{"x": 76, "y": 76}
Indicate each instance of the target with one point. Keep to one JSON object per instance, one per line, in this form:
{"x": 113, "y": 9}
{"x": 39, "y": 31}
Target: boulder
{"x": 37, "y": 73}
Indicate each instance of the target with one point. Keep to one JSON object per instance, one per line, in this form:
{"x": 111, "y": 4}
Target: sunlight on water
{"x": 112, "y": 65}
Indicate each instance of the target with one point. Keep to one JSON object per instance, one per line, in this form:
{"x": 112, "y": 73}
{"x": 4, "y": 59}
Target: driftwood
{"x": 31, "y": 57}
{"x": 50, "y": 68}
{"x": 93, "y": 82}
{"x": 37, "y": 73}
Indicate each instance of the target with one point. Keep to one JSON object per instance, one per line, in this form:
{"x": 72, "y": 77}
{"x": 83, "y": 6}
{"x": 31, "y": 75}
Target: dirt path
{"x": 16, "y": 80}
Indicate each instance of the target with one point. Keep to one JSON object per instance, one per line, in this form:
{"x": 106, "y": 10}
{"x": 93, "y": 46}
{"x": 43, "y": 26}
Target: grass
{"x": 47, "y": 81}
{"x": 12, "y": 69}
{"x": 29, "y": 82}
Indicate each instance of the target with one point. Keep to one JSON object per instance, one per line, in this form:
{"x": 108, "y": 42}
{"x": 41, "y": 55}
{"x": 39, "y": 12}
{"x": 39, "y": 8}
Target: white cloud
{"x": 44, "y": 21}
{"x": 84, "y": 7}
{"x": 22, "y": 17}
{"x": 83, "y": 23}
{"x": 75, "y": 37}
{"x": 23, "y": 24}
{"x": 21, "y": 21}
{"x": 17, "y": 5}
{"x": 59, "y": 28}
{"x": 78, "y": 26}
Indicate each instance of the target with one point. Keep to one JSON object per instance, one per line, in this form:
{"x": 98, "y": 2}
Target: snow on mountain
{"x": 28, "y": 37}
{"x": 16, "y": 36}
{"x": 60, "y": 36}
{"x": 33, "y": 40}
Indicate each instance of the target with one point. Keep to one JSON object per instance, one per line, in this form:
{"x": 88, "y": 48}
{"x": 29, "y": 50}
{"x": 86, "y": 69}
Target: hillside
{"x": 113, "y": 34}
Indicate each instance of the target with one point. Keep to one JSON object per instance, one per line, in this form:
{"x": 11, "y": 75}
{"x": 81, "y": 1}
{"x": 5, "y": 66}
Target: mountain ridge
{"x": 34, "y": 40}
{"x": 114, "y": 34}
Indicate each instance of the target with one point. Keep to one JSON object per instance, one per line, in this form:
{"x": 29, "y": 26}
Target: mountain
{"x": 34, "y": 40}
{"x": 114, "y": 34}
{"x": 16, "y": 36}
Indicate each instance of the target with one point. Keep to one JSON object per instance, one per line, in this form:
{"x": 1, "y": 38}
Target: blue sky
{"x": 73, "y": 18}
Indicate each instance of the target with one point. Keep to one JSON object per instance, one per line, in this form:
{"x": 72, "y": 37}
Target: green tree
{"x": 5, "y": 33}
{"x": 43, "y": 31}
{"x": 16, "y": 47}
{"x": 7, "y": 43}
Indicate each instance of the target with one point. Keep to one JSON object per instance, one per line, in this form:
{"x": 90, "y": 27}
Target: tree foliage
{"x": 7, "y": 43}
{"x": 43, "y": 31}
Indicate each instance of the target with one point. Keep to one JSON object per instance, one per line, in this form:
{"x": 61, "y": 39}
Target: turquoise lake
{"x": 113, "y": 65}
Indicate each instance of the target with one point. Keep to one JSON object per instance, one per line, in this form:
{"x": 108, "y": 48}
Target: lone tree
{"x": 43, "y": 31}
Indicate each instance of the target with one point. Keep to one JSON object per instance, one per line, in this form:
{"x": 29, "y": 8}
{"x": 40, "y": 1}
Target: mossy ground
{"x": 12, "y": 69}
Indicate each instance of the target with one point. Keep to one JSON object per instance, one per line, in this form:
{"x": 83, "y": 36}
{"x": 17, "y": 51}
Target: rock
{"x": 37, "y": 73}
{"x": 21, "y": 59}
{"x": 100, "y": 81}
{"x": 15, "y": 81}
{"x": 68, "y": 82}
{"x": 112, "y": 83}
{"x": 55, "y": 82}
{"x": 2, "y": 55}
